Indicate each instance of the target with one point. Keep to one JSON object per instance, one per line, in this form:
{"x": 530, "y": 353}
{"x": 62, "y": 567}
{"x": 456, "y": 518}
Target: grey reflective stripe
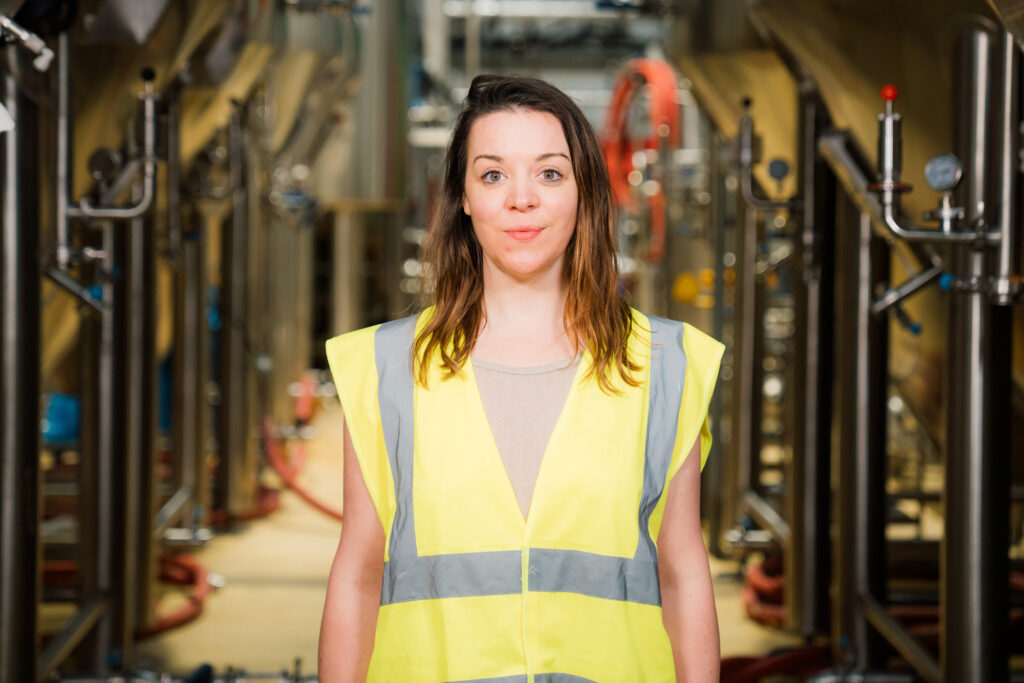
{"x": 392, "y": 354}
{"x": 409, "y": 577}
{"x": 668, "y": 373}
{"x": 599, "y": 576}
{"x": 452, "y": 576}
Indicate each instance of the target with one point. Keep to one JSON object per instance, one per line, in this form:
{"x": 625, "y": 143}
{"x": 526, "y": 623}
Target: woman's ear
{"x": 465, "y": 205}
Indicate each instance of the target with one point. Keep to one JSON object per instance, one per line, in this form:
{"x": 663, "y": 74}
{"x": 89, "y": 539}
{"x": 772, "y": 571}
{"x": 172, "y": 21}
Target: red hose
{"x": 659, "y": 80}
{"x": 304, "y": 402}
{"x": 182, "y": 570}
{"x": 268, "y": 501}
{"x": 274, "y": 455}
{"x": 769, "y": 588}
{"x": 803, "y": 661}
{"x": 763, "y": 612}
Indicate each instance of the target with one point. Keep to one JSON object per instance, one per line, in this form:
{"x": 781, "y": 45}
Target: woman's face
{"x": 520, "y": 192}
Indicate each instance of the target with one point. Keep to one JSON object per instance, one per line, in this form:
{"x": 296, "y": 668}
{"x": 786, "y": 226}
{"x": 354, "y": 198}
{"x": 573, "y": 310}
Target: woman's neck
{"x": 524, "y": 320}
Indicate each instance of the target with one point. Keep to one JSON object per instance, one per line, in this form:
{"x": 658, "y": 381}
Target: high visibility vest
{"x": 473, "y": 592}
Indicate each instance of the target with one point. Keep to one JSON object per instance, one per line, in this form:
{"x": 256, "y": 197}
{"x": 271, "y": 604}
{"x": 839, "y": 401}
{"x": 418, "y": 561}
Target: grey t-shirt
{"x": 522, "y": 406}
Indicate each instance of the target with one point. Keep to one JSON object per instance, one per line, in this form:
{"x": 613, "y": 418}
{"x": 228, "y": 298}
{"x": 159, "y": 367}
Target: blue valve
{"x": 909, "y": 325}
{"x": 96, "y": 292}
{"x": 946, "y": 282}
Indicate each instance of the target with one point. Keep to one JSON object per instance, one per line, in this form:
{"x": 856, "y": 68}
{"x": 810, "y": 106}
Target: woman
{"x": 522, "y": 459}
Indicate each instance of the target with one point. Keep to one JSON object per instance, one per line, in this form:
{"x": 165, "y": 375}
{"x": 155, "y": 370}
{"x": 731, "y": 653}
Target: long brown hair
{"x": 596, "y": 316}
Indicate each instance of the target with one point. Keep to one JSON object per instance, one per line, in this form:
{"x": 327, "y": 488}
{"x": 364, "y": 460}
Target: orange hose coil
{"x": 660, "y": 81}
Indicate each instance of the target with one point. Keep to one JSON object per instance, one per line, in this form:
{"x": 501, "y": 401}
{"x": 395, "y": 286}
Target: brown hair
{"x": 595, "y": 314}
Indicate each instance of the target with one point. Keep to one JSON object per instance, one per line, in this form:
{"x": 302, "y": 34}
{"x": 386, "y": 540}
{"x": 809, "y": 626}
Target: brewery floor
{"x": 267, "y": 614}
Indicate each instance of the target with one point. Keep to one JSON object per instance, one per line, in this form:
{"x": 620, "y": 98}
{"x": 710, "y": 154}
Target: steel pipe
{"x": 902, "y": 641}
{"x": 19, "y": 401}
{"x": 975, "y": 563}
{"x": 73, "y": 632}
{"x": 237, "y": 469}
{"x": 907, "y": 289}
{"x": 859, "y": 413}
{"x": 142, "y": 204}
{"x": 64, "y": 133}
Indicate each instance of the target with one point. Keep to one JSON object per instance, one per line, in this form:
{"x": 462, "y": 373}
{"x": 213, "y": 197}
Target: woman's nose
{"x": 521, "y": 196}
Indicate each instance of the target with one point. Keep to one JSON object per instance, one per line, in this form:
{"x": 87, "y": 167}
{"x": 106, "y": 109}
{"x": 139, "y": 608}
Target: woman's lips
{"x": 523, "y": 234}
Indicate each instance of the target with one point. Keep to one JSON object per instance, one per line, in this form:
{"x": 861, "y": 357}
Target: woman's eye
{"x": 492, "y": 176}
{"x": 551, "y": 174}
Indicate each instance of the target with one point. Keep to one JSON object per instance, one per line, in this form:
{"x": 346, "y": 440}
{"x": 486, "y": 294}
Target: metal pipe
{"x": 714, "y": 480}
{"x": 141, "y": 391}
{"x": 86, "y": 210}
{"x": 902, "y": 641}
{"x": 30, "y": 41}
{"x": 766, "y": 516}
{"x": 862, "y": 262}
{"x": 171, "y": 510}
{"x": 1006, "y": 159}
{"x": 746, "y": 399}
{"x": 112, "y": 632}
{"x": 237, "y": 470}
{"x": 890, "y": 210}
{"x": 72, "y": 285}
{"x": 19, "y": 401}
{"x": 173, "y": 174}
{"x": 189, "y": 392}
{"x": 907, "y": 289}
{"x": 809, "y": 398}
{"x": 64, "y": 134}
{"x": 835, "y": 151}
{"x": 73, "y": 632}
{"x": 746, "y": 155}
{"x": 974, "y": 575}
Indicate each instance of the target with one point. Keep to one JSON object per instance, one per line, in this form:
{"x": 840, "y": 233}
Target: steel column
{"x": 713, "y": 479}
{"x": 189, "y": 399}
{"x": 113, "y": 635}
{"x": 809, "y": 393}
{"x": 975, "y": 564}
{"x": 19, "y": 410}
{"x": 141, "y": 499}
{"x": 859, "y": 431}
{"x": 748, "y": 341}
{"x": 237, "y": 469}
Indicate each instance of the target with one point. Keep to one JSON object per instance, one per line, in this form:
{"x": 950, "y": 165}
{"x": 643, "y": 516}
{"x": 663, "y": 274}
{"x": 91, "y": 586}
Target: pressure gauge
{"x": 778, "y": 169}
{"x": 943, "y": 172}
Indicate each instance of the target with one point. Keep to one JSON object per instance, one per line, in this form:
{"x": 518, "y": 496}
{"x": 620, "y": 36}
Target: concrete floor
{"x": 268, "y": 613}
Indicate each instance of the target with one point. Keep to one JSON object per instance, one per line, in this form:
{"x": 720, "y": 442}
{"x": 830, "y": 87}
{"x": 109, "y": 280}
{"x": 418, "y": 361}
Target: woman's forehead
{"x": 518, "y": 133}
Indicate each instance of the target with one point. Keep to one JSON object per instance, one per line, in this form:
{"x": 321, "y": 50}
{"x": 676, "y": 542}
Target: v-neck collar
{"x": 492, "y": 446}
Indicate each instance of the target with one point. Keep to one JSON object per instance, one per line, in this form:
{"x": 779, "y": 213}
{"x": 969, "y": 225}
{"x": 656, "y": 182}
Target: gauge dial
{"x": 943, "y": 172}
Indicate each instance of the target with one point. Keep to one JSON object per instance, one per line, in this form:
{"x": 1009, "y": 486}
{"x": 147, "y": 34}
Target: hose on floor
{"x": 275, "y": 456}
{"x": 180, "y": 570}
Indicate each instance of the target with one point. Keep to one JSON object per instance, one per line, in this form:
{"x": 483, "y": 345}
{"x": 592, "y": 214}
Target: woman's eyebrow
{"x": 542, "y": 157}
{"x": 548, "y": 155}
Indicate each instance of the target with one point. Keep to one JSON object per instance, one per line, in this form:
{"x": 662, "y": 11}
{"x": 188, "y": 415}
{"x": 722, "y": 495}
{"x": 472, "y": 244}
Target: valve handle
{"x": 890, "y": 92}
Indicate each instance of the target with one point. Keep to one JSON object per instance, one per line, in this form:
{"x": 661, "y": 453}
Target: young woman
{"x": 522, "y": 459}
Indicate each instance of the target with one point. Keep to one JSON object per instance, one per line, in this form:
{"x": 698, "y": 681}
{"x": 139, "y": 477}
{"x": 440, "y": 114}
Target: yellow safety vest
{"x": 472, "y": 591}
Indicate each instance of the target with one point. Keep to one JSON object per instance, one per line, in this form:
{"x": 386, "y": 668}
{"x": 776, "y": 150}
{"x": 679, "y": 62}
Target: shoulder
{"x": 370, "y": 351}
{"x": 387, "y": 334}
{"x": 665, "y": 334}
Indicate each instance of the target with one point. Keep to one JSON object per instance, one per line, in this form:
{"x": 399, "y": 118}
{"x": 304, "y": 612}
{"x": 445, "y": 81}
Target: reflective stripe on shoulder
{"x": 409, "y": 577}
{"x": 668, "y": 372}
{"x": 392, "y": 352}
